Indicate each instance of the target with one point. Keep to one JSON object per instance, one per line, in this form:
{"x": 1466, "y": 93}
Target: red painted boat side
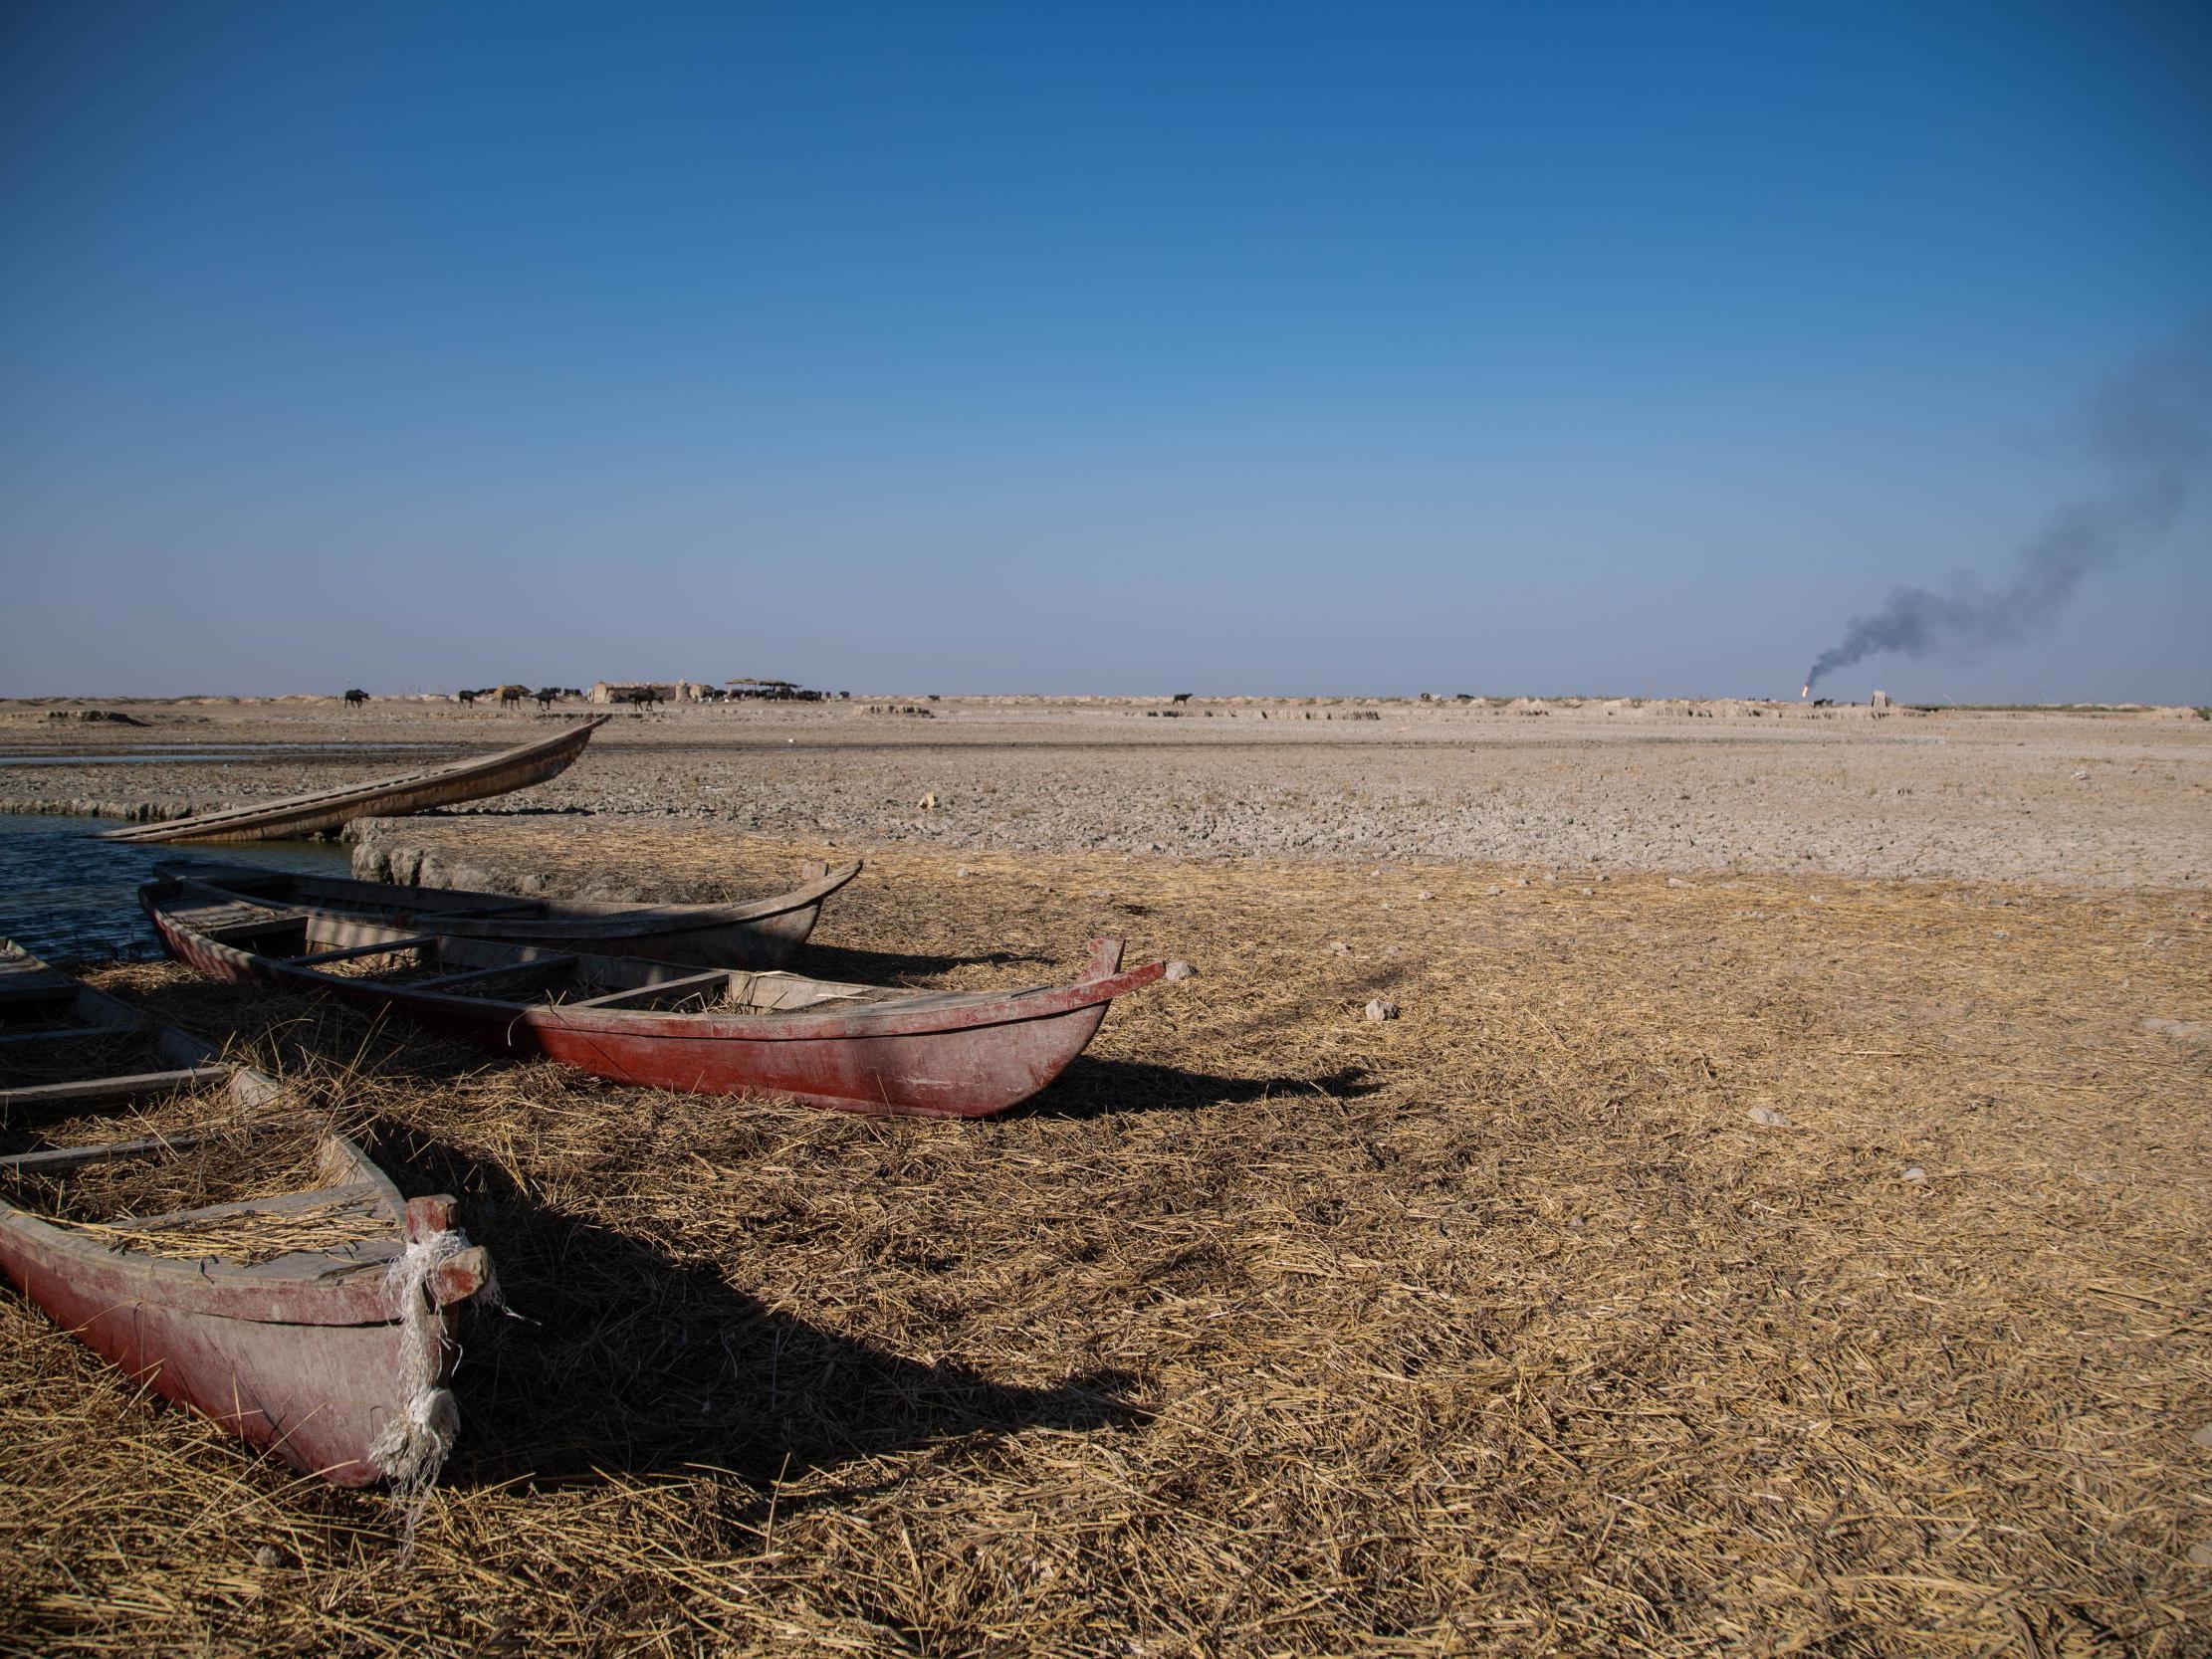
{"x": 305, "y": 1367}
{"x": 320, "y": 1405}
{"x": 968, "y": 1060}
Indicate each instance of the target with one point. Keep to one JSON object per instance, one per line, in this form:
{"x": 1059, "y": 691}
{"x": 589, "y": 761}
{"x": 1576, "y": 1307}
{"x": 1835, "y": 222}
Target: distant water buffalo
{"x": 1182, "y": 696}
{"x": 356, "y": 697}
{"x": 467, "y": 698}
{"x": 548, "y": 696}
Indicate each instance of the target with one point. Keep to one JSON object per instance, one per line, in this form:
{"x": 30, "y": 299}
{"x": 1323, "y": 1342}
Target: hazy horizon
{"x": 994, "y": 349}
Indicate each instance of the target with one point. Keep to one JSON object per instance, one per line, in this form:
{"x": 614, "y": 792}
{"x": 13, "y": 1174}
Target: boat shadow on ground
{"x": 1095, "y": 1088}
{"x": 625, "y": 1361}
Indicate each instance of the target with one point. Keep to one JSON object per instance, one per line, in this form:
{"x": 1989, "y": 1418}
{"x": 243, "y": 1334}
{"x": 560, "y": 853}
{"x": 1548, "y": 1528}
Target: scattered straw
{"x": 1500, "y": 1326}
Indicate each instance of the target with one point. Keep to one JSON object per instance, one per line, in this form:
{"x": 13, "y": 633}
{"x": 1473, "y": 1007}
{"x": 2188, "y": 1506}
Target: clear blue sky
{"x": 1123, "y": 347}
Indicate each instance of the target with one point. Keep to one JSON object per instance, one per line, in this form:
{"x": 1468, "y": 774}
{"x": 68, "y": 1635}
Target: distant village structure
{"x": 694, "y": 690}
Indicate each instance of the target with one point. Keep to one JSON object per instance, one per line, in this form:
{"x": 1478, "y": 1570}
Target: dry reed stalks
{"x": 1500, "y": 1326}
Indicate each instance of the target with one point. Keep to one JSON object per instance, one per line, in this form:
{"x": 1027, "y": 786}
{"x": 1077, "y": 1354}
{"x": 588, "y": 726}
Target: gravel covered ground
{"x": 2105, "y": 800}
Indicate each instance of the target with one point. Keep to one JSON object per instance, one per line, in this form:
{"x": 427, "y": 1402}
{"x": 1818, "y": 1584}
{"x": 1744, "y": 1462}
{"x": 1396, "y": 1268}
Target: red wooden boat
{"x": 332, "y": 1357}
{"x": 324, "y": 811}
{"x": 756, "y": 933}
{"x": 852, "y": 1048}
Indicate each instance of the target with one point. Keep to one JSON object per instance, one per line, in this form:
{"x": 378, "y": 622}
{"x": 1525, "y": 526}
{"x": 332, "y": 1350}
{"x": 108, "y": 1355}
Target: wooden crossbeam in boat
{"x": 87, "y": 1091}
{"x": 281, "y": 1204}
{"x": 234, "y": 932}
{"x": 231, "y": 878}
{"x": 27, "y": 979}
{"x": 641, "y": 993}
{"x": 60, "y": 1160}
{"x": 64, "y": 1034}
{"x": 353, "y": 950}
{"x": 33, "y": 995}
{"x": 542, "y": 964}
{"x": 18, "y": 988}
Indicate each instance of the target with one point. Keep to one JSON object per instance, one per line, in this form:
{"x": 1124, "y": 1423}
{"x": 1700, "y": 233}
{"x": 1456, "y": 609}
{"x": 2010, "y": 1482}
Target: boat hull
{"x": 755, "y": 934}
{"x": 972, "y": 1062}
{"x": 303, "y": 1356}
{"x": 326, "y": 810}
{"x": 974, "y": 1072}
{"x": 316, "y": 1396}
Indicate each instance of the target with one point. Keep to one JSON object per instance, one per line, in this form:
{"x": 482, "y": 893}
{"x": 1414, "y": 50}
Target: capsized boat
{"x": 852, "y": 1048}
{"x": 323, "y": 810}
{"x": 314, "y": 1323}
{"x": 758, "y": 933}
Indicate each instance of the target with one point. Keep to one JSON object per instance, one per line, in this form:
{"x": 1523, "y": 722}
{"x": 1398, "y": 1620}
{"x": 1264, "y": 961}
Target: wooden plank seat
{"x": 355, "y": 1193}
{"x": 57, "y": 1160}
{"x": 547, "y": 966}
{"x": 96, "y": 1090}
{"x": 348, "y": 954}
{"x": 645, "y": 993}
{"x": 63, "y": 1034}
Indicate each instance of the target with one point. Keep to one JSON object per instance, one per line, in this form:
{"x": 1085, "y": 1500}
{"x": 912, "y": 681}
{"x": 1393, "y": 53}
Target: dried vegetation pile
{"x": 1500, "y": 1325}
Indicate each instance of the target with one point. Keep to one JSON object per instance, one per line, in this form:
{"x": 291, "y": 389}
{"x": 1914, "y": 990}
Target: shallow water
{"x": 65, "y": 894}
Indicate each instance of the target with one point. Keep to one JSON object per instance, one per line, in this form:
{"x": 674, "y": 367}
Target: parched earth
{"x": 2097, "y": 800}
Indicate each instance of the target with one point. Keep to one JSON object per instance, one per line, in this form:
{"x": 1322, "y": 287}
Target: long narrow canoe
{"x": 759, "y": 933}
{"x": 333, "y": 1352}
{"x": 852, "y": 1048}
{"x": 323, "y": 810}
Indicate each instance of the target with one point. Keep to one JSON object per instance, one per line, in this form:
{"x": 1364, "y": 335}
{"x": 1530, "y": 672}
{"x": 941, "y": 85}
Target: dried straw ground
{"x": 1500, "y": 1326}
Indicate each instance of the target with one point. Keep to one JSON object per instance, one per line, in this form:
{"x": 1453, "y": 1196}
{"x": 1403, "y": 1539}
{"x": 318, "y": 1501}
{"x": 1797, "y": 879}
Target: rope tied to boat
{"x": 414, "y": 1444}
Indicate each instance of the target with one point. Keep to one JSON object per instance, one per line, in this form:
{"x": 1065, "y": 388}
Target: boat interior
{"x": 70, "y": 1057}
{"x": 63, "y": 1045}
{"x": 513, "y": 974}
{"x": 375, "y": 898}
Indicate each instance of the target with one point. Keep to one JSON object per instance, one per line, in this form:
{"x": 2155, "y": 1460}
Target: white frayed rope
{"x": 415, "y": 1442}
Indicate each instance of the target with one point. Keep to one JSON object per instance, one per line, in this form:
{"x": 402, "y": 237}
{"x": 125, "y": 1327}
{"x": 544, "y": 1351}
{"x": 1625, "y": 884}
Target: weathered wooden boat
{"x": 43, "y": 1010}
{"x": 759, "y": 933}
{"x": 324, "y": 811}
{"x": 325, "y": 1342}
{"x": 853, "y": 1048}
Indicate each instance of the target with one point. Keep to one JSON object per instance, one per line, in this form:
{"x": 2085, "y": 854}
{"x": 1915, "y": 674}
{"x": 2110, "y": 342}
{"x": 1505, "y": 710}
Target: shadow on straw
{"x": 627, "y": 1360}
{"x": 1092, "y": 1088}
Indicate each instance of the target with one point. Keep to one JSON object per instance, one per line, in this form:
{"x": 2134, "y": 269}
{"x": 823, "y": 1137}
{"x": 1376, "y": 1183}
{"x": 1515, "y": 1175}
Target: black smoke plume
{"x": 2148, "y": 433}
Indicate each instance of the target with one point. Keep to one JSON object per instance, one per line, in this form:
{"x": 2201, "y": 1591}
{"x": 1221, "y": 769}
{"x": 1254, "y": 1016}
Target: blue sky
{"x": 1272, "y": 347}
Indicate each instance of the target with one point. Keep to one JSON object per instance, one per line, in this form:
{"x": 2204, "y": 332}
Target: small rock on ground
{"x": 1180, "y": 971}
{"x": 1380, "y": 1010}
{"x": 1768, "y": 1116}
